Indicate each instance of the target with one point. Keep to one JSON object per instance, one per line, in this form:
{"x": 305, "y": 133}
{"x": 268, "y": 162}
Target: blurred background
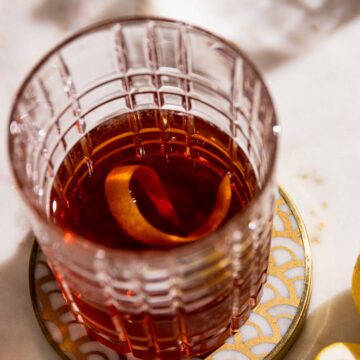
{"x": 270, "y": 31}
{"x": 308, "y": 52}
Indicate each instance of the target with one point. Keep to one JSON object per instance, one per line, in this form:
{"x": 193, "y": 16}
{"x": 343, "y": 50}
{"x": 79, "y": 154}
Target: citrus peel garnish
{"x": 128, "y": 216}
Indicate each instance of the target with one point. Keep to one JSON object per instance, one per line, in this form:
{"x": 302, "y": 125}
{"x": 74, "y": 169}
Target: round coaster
{"x": 268, "y": 334}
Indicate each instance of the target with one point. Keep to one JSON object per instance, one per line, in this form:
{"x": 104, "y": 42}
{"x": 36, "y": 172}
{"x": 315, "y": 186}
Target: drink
{"x": 190, "y": 157}
{"x": 190, "y": 167}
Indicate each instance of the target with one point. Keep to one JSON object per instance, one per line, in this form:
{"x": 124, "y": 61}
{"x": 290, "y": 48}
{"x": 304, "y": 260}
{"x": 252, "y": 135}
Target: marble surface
{"x": 308, "y": 53}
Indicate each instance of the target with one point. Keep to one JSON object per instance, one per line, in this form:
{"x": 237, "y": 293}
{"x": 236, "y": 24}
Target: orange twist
{"x": 129, "y": 217}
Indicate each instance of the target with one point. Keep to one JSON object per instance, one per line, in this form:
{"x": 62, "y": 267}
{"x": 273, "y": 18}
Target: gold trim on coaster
{"x": 280, "y": 349}
{"x": 294, "y": 329}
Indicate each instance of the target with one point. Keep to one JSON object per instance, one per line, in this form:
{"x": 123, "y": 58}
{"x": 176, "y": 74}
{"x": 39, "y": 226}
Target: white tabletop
{"x": 309, "y": 54}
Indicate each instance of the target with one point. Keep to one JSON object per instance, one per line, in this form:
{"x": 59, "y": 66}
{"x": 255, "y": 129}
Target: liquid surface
{"x": 189, "y": 155}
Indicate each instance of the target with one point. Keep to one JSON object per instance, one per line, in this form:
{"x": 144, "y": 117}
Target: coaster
{"x": 268, "y": 334}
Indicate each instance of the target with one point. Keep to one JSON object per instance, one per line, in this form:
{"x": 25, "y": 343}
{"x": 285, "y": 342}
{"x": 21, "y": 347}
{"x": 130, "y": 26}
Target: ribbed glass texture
{"x": 166, "y": 305}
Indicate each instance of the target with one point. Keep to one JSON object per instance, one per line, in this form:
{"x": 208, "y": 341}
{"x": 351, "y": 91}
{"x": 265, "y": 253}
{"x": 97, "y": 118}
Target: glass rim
{"x": 81, "y": 240}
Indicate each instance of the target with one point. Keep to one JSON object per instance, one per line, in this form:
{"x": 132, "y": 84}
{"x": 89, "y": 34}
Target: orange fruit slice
{"x": 339, "y": 351}
{"x": 128, "y": 216}
{"x": 356, "y": 285}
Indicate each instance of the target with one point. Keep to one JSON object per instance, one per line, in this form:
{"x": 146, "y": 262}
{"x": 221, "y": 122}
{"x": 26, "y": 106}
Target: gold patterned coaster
{"x": 268, "y": 333}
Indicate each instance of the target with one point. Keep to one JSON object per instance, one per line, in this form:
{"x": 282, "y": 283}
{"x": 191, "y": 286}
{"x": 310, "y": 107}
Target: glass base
{"x": 285, "y": 292}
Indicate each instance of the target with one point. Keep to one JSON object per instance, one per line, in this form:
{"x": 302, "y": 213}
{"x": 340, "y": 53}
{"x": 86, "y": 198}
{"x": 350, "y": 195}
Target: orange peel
{"x": 127, "y": 214}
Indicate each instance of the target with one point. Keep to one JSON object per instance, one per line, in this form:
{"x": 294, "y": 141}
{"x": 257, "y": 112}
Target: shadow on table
{"x": 17, "y": 319}
{"x": 334, "y": 321}
{"x": 298, "y": 25}
{"x": 72, "y": 14}
{"x": 271, "y": 32}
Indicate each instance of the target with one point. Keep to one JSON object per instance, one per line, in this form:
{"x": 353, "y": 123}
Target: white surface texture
{"x": 309, "y": 54}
